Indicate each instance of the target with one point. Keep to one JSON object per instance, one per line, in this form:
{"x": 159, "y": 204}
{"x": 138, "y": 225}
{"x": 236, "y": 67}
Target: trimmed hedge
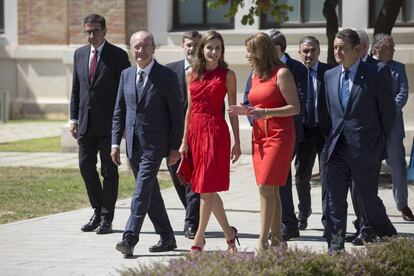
{"x": 393, "y": 257}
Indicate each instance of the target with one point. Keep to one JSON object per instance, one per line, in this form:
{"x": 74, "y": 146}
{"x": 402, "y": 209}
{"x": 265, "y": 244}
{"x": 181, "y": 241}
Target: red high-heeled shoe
{"x": 196, "y": 248}
{"x": 232, "y": 243}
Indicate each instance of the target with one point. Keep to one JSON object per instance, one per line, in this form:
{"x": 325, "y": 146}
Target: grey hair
{"x": 379, "y": 40}
{"x": 309, "y": 39}
{"x": 363, "y": 36}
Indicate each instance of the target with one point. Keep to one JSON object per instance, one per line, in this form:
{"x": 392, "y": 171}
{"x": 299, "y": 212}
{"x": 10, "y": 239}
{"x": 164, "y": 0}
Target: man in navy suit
{"x": 148, "y": 110}
{"x": 362, "y": 112}
{"x": 300, "y": 72}
{"x": 383, "y": 50}
{"x": 313, "y": 142}
{"x": 96, "y": 71}
{"x": 189, "y": 199}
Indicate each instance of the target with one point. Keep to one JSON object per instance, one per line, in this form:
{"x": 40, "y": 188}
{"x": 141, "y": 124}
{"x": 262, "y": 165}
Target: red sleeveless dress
{"x": 273, "y": 139}
{"x": 208, "y": 134}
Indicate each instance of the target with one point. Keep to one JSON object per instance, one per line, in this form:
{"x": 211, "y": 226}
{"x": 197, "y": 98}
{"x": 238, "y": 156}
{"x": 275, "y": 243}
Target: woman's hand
{"x": 236, "y": 110}
{"x": 235, "y": 153}
{"x": 183, "y": 149}
{"x": 257, "y": 112}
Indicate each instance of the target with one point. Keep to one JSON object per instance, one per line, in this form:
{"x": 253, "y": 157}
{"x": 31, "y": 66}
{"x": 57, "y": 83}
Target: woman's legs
{"x": 267, "y": 210}
{"x": 220, "y": 214}
{"x": 277, "y": 219}
{"x": 206, "y": 205}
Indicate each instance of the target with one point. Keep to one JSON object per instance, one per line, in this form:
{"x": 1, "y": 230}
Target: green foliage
{"x": 394, "y": 257}
{"x": 257, "y": 7}
{"x": 27, "y": 192}
{"x": 48, "y": 144}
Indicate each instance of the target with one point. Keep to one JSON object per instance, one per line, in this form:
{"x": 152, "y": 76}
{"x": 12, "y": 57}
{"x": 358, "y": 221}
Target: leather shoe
{"x": 189, "y": 232}
{"x": 290, "y": 235}
{"x": 125, "y": 247}
{"x": 363, "y": 238}
{"x": 351, "y": 237}
{"x": 303, "y": 220}
{"x": 407, "y": 214}
{"x": 92, "y": 224}
{"x": 104, "y": 228}
{"x": 164, "y": 245}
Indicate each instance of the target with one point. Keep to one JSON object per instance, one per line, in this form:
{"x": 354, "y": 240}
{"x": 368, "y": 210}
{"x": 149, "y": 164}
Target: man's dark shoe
{"x": 125, "y": 247}
{"x": 189, "y": 232}
{"x": 92, "y": 224}
{"x": 290, "y": 235}
{"x": 351, "y": 237}
{"x": 303, "y": 220}
{"x": 407, "y": 214}
{"x": 363, "y": 238}
{"x": 164, "y": 245}
{"x": 104, "y": 228}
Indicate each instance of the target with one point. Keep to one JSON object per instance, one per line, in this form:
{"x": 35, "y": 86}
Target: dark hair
{"x": 309, "y": 39}
{"x": 379, "y": 40}
{"x": 199, "y": 60}
{"x": 95, "y": 18}
{"x": 263, "y": 54}
{"x": 191, "y": 35}
{"x": 350, "y": 35}
{"x": 278, "y": 39}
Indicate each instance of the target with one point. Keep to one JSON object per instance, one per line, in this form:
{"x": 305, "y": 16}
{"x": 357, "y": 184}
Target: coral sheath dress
{"x": 208, "y": 134}
{"x": 273, "y": 139}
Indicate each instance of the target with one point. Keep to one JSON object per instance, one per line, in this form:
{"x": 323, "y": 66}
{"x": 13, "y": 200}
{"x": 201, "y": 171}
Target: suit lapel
{"x": 356, "y": 85}
{"x": 100, "y": 64}
{"x": 337, "y": 95}
{"x": 149, "y": 82}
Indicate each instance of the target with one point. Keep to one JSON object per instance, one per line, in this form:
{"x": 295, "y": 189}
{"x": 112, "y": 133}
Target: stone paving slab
{"x": 10, "y": 132}
{"x": 54, "y": 245}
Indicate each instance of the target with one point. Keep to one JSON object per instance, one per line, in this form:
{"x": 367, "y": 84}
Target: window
{"x": 306, "y": 13}
{"x": 405, "y": 17}
{"x": 1, "y": 16}
{"x": 194, "y": 14}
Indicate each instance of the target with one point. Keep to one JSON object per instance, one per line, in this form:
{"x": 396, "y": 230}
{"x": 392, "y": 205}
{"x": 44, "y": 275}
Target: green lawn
{"x": 27, "y": 192}
{"x": 49, "y": 144}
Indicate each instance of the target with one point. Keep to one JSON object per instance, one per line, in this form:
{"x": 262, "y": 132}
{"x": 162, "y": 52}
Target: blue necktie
{"x": 345, "y": 90}
{"x": 140, "y": 82}
{"x": 310, "y": 102}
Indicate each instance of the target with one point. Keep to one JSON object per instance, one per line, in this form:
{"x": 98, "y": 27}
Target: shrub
{"x": 393, "y": 257}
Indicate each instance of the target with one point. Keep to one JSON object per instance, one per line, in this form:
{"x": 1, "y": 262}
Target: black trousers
{"x": 189, "y": 199}
{"x": 102, "y": 196}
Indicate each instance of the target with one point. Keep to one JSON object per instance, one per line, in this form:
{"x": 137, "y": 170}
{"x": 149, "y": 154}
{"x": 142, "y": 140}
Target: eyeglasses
{"x": 90, "y": 32}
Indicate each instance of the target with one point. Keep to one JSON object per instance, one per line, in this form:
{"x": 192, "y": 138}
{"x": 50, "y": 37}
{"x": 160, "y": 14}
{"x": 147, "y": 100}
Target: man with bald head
{"x": 148, "y": 110}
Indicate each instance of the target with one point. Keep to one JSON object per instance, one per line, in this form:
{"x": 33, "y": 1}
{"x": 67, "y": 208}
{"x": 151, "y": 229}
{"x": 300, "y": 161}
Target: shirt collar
{"x": 146, "y": 69}
{"x": 186, "y": 64}
{"x": 353, "y": 68}
{"x": 364, "y": 59}
{"x": 283, "y": 58}
{"x": 315, "y": 66}
{"x": 99, "y": 49}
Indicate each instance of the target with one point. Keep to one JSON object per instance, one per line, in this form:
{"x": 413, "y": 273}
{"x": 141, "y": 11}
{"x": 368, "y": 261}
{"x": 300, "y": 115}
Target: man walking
{"x": 96, "y": 71}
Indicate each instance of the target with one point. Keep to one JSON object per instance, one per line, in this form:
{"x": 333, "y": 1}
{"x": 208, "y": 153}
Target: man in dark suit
{"x": 96, "y": 71}
{"x": 189, "y": 199}
{"x": 289, "y": 221}
{"x": 313, "y": 142}
{"x": 362, "y": 112}
{"x": 148, "y": 110}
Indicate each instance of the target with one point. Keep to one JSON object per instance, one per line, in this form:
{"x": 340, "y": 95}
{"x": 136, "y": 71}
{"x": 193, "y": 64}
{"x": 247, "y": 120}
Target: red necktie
{"x": 93, "y": 64}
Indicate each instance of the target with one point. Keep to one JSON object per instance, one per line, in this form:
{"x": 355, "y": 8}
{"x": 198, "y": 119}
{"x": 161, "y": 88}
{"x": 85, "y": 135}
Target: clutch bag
{"x": 185, "y": 170}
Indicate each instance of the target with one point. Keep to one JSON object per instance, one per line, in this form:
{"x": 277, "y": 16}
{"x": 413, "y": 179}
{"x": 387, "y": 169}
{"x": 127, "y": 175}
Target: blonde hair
{"x": 199, "y": 62}
{"x": 263, "y": 54}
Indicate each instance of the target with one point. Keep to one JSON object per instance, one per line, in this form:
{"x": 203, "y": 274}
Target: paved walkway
{"x": 54, "y": 245}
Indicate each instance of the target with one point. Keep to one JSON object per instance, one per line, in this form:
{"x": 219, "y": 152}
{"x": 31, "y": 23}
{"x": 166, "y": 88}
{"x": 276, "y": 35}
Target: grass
{"x": 27, "y": 192}
{"x": 49, "y": 144}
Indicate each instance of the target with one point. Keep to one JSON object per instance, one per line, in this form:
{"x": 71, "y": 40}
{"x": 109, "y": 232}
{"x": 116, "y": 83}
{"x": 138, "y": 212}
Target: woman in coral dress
{"x": 206, "y": 135}
{"x": 274, "y": 101}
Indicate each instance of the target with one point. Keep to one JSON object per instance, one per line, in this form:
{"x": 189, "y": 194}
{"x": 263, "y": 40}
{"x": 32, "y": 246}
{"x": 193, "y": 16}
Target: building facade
{"x": 38, "y": 39}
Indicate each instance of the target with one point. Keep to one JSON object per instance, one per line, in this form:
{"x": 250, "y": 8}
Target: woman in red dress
{"x": 206, "y": 135}
{"x": 274, "y": 101}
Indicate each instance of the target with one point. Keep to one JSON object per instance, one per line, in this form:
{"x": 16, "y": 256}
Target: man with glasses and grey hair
{"x": 97, "y": 68}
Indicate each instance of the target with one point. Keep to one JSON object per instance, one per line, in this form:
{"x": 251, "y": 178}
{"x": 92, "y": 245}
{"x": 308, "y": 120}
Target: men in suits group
{"x": 148, "y": 110}
{"x": 314, "y": 140}
{"x": 362, "y": 112}
{"x": 189, "y": 199}
{"x": 96, "y": 71}
{"x": 383, "y": 50}
{"x": 289, "y": 220}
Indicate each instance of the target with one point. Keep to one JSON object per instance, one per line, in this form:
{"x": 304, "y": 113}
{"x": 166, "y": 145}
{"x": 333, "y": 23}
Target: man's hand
{"x": 116, "y": 156}
{"x": 74, "y": 130}
{"x": 173, "y": 157}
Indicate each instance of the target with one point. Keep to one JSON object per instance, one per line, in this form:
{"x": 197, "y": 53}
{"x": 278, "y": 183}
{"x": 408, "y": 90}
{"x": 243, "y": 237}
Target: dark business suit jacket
{"x": 324, "y": 121}
{"x": 155, "y": 116}
{"x": 178, "y": 68}
{"x": 368, "y": 118}
{"x": 95, "y": 101}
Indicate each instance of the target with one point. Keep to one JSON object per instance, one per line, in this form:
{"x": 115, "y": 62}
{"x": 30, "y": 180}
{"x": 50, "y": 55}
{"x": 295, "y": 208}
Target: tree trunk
{"x": 387, "y": 16}
{"x": 329, "y": 12}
